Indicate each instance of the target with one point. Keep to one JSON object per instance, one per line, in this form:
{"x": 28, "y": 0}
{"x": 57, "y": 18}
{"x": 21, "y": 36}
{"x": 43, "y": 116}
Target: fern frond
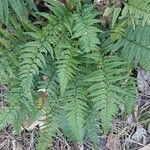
{"x": 64, "y": 125}
{"x": 47, "y": 134}
{"x": 64, "y": 51}
{"x": 66, "y": 66}
{"x": 54, "y": 35}
{"x": 118, "y": 31}
{"x": 130, "y": 99}
{"x": 45, "y": 41}
{"x": 15, "y": 109}
{"x": 138, "y": 10}
{"x": 57, "y": 73}
{"x": 5, "y": 71}
{"x": 92, "y": 128}
{"x": 8, "y": 66}
{"x": 49, "y": 85}
{"x": 50, "y": 128}
{"x": 32, "y": 59}
{"x": 57, "y": 8}
{"x": 105, "y": 89}
{"x": 75, "y": 108}
{"x": 8, "y": 6}
{"x": 134, "y": 45}
{"x": 135, "y": 11}
{"x": 6, "y": 116}
{"x": 86, "y": 30}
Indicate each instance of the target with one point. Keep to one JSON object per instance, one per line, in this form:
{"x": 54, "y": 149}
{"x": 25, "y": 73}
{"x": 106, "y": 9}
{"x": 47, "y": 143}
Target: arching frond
{"x": 105, "y": 88}
{"x": 86, "y": 30}
{"x": 134, "y": 45}
{"x": 8, "y": 6}
{"x": 138, "y": 10}
{"x": 75, "y": 108}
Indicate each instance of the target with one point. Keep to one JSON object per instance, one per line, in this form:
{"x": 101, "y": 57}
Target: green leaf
{"x": 115, "y": 15}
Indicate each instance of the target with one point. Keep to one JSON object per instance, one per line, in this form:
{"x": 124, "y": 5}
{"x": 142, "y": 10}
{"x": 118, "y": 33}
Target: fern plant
{"x": 20, "y": 7}
{"x": 138, "y": 49}
{"x": 70, "y": 71}
{"x": 105, "y": 91}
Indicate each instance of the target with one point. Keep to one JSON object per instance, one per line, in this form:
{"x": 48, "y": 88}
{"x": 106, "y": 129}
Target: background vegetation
{"x": 71, "y": 64}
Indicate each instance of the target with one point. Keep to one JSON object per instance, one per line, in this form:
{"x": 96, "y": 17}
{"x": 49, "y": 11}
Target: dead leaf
{"x": 130, "y": 120}
{"x": 147, "y": 147}
{"x": 143, "y": 79}
{"x": 113, "y": 142}
{"x": 140, "y": 134}
{"x": 2, "y": 137}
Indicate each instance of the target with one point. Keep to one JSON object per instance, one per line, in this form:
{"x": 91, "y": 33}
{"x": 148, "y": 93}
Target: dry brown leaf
{"x": 143, "y": 79}
{"x": 113, "y": 142}
{"x": 2, "y": 137}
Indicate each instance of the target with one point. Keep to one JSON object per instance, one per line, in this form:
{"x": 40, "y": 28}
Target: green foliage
{"x": 32, "y": 60}
{"x": 134, "y": 45}
{"x": 47, "y": 132}
{"x": 75, "y": 107}
{"x": 105, "y": 90}
{"x": 16, "y": 110}
{"x": 92, "y": 130}
{"x": 65, "y": 68}
{"x": 20, "y": 7}
{"x": 129, "y": 99}
{"x": 85, "y": 29}
{"x": 138, "y": 10}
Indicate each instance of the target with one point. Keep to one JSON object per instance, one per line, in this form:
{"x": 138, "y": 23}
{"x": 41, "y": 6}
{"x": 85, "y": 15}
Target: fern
{"x": 85, "y": 29}
{"x": 32, "y": 60}
{"x": 105, "y": 91}
{"x": 15, "y": 111}
{"x": 134, "y": 45}
{"x": 133, "y": 11}
{"x": 20, "y": 9}
{"x": 6, "y": 71}
{"x": 138, "y": 10}
{"x": 58, "y": 71}
{"x": 66, "y": 67}
{"x": 75, "y": 107}
{"x": 118, "y": 31}
{"x": 92, "y": 128}
{"x": 130, "y": 99}
{"x": 6, "y": 116}
{"x": 47, "y": 133}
